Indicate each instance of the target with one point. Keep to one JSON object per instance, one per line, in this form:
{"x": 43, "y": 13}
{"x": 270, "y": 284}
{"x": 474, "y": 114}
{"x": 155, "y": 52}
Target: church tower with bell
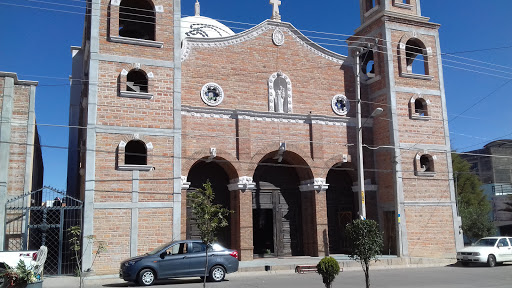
{"x": 269, "y": 118}
{"x": 401, "y": 72}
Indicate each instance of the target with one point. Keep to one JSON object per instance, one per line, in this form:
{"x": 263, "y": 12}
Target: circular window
{"x": 340, "y": 104}
{"x": 212, "y": 94}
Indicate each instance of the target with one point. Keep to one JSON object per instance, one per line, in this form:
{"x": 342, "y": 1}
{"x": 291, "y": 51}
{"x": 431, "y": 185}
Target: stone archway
{"x": 279, "y": 206}
{"x": 212, "y": 171}
{"x": 342, "y": 206}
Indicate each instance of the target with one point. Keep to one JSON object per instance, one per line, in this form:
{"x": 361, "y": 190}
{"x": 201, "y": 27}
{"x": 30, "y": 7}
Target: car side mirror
{"x": 500, "y": 245}
{"x": 163, "y": 254}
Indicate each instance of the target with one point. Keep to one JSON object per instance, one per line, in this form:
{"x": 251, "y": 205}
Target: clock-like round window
{"x": 212, "y": 94}
{"x": 340, "y": 104}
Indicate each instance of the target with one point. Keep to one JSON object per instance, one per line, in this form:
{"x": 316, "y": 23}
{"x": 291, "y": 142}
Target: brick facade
{"x": 20, "y": 152}
{"x": 133, "y": 209}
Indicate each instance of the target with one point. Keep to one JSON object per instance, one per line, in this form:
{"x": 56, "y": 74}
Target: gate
{"x": 42, "y": 217}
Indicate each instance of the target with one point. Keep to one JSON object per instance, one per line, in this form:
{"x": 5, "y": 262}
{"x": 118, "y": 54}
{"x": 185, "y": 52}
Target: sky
{"x": 476, "y": 36}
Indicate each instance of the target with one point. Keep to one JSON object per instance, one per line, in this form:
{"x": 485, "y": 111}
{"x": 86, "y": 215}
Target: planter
{"x": 28, "y": 285}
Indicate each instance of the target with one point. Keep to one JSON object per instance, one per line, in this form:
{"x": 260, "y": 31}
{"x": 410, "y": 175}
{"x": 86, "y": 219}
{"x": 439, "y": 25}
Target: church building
{"x": 295, "y": 139}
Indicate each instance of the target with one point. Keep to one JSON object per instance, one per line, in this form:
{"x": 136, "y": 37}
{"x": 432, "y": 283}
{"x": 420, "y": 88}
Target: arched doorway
{"x": 201, "y": 172}
{"x": 277, "y": 208}
{"x": 341, "y": 207}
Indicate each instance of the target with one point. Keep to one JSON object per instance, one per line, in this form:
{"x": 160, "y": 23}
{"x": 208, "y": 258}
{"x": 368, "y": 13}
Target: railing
{"x": 502, "y": 189}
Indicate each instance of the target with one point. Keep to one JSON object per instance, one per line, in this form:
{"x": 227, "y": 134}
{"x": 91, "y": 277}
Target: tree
{"x": 328, "y": 267}
{"x": 474, "y": 208}
{"x": 366, "y": 242}
{"x": 209, "y": 217}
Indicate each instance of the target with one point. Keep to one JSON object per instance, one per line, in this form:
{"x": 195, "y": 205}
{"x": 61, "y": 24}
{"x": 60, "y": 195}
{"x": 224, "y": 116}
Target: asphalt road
{"x": 439, "y": 277}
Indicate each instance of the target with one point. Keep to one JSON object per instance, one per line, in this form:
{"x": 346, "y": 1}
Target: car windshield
{"x": 159, "y": 248}
{"x": 485, "y": 242}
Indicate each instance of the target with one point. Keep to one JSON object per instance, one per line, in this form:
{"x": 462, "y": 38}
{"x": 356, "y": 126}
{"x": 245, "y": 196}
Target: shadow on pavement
{"x": 159, "y": 282}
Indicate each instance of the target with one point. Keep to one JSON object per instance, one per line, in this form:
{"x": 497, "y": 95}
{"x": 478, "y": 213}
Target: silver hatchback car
{"x": 186, "y": 258}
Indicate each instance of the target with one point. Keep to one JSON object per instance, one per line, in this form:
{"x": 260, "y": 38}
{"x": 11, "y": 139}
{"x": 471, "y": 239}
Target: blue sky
{"x": 36, "y": 44}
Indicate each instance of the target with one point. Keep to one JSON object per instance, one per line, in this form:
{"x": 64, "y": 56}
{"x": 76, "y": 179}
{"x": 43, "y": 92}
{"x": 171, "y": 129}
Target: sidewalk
{"x": 277, "y": 265}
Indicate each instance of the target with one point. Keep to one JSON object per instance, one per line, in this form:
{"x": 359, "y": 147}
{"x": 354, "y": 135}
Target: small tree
{"x": 209, "y": 217}
{"x": 328, "y": 267}
{"x": 474, "y": 208}
{"x": 366, "y": 243}
{"x": 75, "y": 233}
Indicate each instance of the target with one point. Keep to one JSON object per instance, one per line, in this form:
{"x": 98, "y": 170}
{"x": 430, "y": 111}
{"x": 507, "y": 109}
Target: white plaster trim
{"x": 278, "y": 37}
{"x": 135, "y": 167}
{"x": 137, "y": 95}
{"x": 134, "y": 41}
{"x": 317, "y": 184}
{"x": 423, "y": 118}
{"x": 272, "y": 93}
{"x": 214, "y": 86}
{"x": 159, "y": 9}
{"x": 115, "y": 2}
{"x": 267, "y": 116}
{"x": 335, "y": 100}
{"x": 184, "y": 184}
{"x": 417, "y": 76}
{"x": 243, "y": 183}
{"x": 190, "y": 43}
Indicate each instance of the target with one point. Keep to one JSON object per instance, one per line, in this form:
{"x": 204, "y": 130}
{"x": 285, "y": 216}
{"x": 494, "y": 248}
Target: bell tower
{"x": 126, "y": 92}
{"x": 401, "y": 72}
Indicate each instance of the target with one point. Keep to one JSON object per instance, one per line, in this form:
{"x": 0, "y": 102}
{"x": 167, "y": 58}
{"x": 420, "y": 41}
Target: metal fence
{"x": 43, "y": 217}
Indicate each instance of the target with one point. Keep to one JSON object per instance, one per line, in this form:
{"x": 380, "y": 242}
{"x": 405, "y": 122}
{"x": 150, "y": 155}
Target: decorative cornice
{"x": 317, "y": 184}
{"x": 398, "y": 17}
{"x": 243, "y": 183}
{"x": 184, "y": 184}
{"x": 265, "y": 116}
{"x": 16, "y": 80}
{"x": 134, "y": 41}
{"x": 189, "y": 43}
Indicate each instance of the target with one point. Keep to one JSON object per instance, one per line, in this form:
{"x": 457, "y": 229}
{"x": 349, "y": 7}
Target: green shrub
{"x": 328, "y": 267}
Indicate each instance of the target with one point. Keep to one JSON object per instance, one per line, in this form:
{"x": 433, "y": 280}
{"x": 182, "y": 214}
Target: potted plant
{"x": 21, "y": 276}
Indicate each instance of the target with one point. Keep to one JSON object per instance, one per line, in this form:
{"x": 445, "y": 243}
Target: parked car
{"x": 178, "y": 259}
{"x": 490, "y": 250}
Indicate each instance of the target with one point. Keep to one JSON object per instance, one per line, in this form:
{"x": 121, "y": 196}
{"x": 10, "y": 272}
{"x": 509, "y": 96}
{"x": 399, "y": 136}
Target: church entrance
{"x": 341, "y": 208}
{"x": 201, "y": 172}
{"x": 277, "y": 225}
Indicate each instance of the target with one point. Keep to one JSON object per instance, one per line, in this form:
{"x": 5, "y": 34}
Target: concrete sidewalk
{"x": 263, "y": 265}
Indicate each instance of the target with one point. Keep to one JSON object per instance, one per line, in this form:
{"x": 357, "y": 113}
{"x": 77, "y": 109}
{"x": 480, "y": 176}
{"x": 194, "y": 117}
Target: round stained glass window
{"x": 212, "y": 94}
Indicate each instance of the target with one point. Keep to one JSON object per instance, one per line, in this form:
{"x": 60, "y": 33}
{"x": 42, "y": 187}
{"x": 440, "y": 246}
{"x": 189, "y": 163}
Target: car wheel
{"x": 217, "y": 274}
{"x": 146, "y": 277}
{"x": 491, "y": 261}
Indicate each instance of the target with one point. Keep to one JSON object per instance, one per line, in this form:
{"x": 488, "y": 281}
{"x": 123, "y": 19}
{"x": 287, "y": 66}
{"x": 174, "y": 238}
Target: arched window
{"x": 135, "y": 153}
{"x": 368, "y": 64}
{"x": 137, "y": 81}
{"x": 424, "y": 165}
{"x": 137, "y": 19}
{"x": 419, "y": 108}
{"x": 416, "y": 57}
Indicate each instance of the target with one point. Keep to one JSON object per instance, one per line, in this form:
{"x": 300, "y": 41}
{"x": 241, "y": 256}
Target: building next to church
{"x": 21, "y": 162}
{"x": 270, "y": 119}
{"x": 493, "y": 165}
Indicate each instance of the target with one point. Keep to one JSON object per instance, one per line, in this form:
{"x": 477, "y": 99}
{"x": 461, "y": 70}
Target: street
{"x": 439, "y": 277}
